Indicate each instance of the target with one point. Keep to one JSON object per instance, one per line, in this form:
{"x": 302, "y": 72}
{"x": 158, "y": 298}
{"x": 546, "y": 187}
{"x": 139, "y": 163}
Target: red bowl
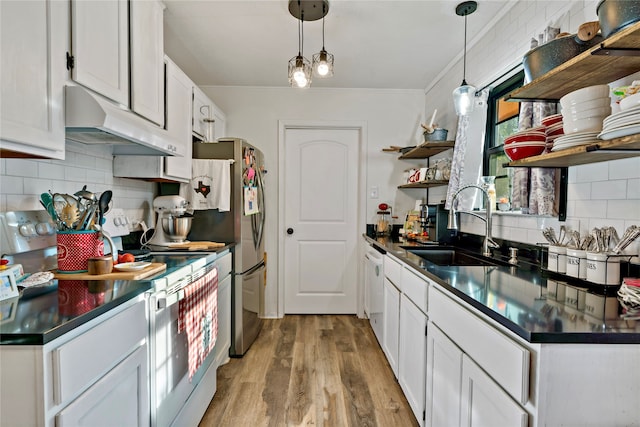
{"x": 556, "y": 132}
{"x": 523, "y": 151}
{"x": 551, "y": 120}
{"x": 524, "y": 137}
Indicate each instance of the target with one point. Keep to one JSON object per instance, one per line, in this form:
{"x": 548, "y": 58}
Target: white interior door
{"x": 320, "y": 220}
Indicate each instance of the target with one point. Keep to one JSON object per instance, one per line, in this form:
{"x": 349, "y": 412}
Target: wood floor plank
{"x": 308, "y": 370}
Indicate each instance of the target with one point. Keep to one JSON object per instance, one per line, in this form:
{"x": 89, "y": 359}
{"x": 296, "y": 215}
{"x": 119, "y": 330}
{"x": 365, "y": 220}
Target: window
{"x": 502, "y": 121}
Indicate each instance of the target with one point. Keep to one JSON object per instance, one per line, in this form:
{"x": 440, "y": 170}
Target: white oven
{"x": 169, "y": 351}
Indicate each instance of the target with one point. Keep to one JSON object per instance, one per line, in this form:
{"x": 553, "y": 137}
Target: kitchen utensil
{"x": 76, "y": 247}
{"x": 544, "y": 58}
{"x": 100, "y": 265}
{"x": 614, "y": 15}
{"x": 437, "y": 134}
{"x": 588, "y": 30}
{"x": 69, "y": 216}
{"x": 103, "y": 204}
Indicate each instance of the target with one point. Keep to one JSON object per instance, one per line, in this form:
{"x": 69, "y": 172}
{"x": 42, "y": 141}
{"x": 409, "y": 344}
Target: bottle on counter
{"x": 489, "y": 184}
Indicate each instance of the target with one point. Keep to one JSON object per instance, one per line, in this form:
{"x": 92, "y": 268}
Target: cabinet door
{"x": 391, "y": 320}
{"x": 147, "y": 60}
{"x": 120, "y": 398}
{"x": 100, "y": 46}
{"x": 223, "y": 341}
{"x": 202, "y": 114}
{"x": 444, "y": 376}
{"x": 484, "y": 403}
{"x": 33, "y": 40}
{"x": 219, "y": 123}
{"x": 412, "y": 355}
{"x": 179, "y": 95}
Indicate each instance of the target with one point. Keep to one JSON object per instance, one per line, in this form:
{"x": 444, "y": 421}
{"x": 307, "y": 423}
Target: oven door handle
{"x": 169, "y": 300}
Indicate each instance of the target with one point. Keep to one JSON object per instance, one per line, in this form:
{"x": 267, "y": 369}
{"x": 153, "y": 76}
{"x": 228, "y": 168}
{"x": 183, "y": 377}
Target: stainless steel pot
{"x": 544, "y": 58}
{"x": 614, "y": 15}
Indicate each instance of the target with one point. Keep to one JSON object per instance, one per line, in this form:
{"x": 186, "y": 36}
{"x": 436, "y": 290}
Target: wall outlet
{"x": 373, "y": 194}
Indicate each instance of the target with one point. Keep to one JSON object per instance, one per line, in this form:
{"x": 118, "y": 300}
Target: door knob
{"x": 289, "y": 230}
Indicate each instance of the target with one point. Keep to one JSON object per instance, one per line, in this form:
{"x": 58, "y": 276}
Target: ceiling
{"x": 396, "y": 44}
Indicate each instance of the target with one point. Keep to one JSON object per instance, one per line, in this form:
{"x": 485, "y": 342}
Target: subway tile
{"x": 592, "y": 172}
{"x": 633, "y": 189}
{"x": 607, "y": 222}
{"x": 22, "y": 167}
{"x": 607, "y": 190}
{"x": 11, "y": 185}
{"x": 21, "y": 202}
{"x": 50, "y": 171}
{"x": 624, "y": 168}
{"x": 579, "y": 191}
{"x": 591, "y": 208}
{"x": 76, "y": 174}
{"x": 624, "y": 209}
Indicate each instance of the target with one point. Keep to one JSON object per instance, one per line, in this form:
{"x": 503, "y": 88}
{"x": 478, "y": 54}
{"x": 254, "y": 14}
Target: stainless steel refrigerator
{"x": 244, "y": 225}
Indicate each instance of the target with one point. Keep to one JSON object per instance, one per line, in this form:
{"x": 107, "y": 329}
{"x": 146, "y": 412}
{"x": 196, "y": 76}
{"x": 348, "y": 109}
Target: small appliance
{"x": 172, "y": 226}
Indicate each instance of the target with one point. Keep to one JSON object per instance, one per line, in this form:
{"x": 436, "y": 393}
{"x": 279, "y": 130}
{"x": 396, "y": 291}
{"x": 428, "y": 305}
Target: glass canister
{"x": 489, "y": 184}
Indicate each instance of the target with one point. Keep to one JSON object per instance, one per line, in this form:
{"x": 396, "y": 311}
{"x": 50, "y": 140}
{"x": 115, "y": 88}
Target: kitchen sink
{"x": 450, "y": 257}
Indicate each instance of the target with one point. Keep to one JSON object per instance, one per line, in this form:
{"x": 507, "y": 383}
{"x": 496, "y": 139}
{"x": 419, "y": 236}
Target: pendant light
{"x": 464, "y": 95}
{"x": 323, "y": 61}
{"x": 299, "y": 67}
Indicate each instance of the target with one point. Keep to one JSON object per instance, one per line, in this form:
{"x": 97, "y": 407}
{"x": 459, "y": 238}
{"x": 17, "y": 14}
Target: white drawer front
{"x": 83, "y": 360}
{"x": 393, "y": 270}
{"x": 224, "y": 265}
{"x": 502, "y": 358}
{"x": 416, "y": 287}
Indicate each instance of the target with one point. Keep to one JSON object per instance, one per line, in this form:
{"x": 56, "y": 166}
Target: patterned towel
{"x": 198, "y": 316}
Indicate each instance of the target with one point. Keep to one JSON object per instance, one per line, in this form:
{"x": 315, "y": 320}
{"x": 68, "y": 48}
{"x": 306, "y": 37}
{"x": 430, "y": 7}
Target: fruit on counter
{"x": 126, "y": 257}
{"x": 503, "y": 200}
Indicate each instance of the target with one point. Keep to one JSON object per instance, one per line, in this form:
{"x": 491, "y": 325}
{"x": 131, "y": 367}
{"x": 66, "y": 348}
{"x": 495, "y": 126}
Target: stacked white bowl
{"x": 583, "y": 110}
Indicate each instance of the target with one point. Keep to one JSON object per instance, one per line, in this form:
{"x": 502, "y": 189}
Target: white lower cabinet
{"x": 119, "y": 398}
{"x": 444, "y": 377}
{"x": 391, "y": 322}
{"x": 223, "y": 341}
{"x": 412, "y": 356}
{"x": 484, "y": 403}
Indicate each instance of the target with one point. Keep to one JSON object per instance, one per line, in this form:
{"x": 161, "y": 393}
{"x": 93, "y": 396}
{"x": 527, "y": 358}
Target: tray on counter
{"x": 155, "y": 267}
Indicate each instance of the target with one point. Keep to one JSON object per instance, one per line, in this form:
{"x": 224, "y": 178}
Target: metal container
{"x": 544, "y": 58}
{"x": 614, "y": 15}
{"x": 177, "y": 227}
{"x": 438, "y": 134}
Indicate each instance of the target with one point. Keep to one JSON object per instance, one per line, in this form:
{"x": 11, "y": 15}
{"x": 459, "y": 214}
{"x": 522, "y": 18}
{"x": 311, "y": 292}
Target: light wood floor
{"x": 309, "y": 370}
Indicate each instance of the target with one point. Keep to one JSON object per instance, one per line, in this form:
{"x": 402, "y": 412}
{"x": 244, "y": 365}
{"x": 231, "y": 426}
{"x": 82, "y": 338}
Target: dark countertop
{"x": 42, "y": 314}
{"x": 517, "y": 299}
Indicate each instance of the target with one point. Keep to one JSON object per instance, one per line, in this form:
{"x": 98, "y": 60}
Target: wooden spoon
{"x": 588, "y": 30}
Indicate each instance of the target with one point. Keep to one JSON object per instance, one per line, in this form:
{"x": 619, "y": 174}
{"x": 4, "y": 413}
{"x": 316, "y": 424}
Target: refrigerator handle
{"x": 263, "y": 215}
{"x": 253, "y": 269}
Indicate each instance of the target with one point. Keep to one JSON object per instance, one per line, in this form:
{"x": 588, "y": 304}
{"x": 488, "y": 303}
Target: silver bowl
{"x": 177, "y": 227}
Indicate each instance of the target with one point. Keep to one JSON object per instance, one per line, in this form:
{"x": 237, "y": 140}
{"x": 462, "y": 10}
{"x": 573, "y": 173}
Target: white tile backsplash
{"x": 612, "y": 189}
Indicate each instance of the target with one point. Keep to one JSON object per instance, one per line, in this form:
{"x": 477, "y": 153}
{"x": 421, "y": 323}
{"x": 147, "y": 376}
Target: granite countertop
{"x": 517, "y": 299}
{"x": 42, "y": 314}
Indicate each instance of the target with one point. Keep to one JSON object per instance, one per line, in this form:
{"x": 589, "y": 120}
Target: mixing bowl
{"x": 177, "y": 227}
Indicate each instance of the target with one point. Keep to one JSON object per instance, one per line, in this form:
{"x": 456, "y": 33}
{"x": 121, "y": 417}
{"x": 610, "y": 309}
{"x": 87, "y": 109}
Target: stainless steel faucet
{"x": 453, "y": 223}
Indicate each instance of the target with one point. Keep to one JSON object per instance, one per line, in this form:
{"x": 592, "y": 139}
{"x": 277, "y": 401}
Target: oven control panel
{"x": 116, "y": 223}
{"x": 23, "y": 231}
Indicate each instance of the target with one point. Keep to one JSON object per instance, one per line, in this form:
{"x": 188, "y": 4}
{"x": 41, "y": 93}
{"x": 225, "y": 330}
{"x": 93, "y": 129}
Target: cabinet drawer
{"x": 81, "y": 361}
{"x": 416, "y": 288}
{"x": 224, "y": 265}
{"x": 393, "y": 271}
{"x": 502, "y": 358}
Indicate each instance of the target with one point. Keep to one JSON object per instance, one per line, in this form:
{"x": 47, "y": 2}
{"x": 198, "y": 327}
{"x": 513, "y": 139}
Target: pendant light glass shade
{"x": 464, "y": 95}
{"x": 299, "y": 72}
{"x": 323, "y": 64}
{"x": 464, "y": 98}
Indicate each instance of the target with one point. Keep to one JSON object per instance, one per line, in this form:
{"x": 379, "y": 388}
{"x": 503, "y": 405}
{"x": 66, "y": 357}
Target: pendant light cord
{"x": 323, "y": 15}
{"x": 464, "y": 60}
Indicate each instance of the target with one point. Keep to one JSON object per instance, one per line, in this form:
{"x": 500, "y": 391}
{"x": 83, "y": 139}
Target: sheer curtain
{"x": 534, "y": 189}
{"x": 468, "y": 154}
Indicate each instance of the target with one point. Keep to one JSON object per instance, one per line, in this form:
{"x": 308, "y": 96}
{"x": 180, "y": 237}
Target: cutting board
{"x": 155, "y": 267}
{"x": 197, "y": 246}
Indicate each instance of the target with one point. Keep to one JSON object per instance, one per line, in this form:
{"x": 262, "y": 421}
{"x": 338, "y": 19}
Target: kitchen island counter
{"x": 517, "y": 299}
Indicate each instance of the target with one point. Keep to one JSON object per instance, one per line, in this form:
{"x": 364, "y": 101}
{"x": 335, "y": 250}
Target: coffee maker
{"x": 172, "y": 226}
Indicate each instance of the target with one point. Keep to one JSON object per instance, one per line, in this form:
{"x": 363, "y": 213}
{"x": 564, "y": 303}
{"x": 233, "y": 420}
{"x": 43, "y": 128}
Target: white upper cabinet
{"x": 147, "y": 60}
{"x": 209, "y": 122}
{"x": 178, "y": 125}
{"x": 100, "y": 47}
{"x": 34, "y": 38}
{"x": 179, "y": 90}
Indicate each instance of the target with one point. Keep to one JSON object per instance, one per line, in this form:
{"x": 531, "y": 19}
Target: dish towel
{"x": 210, "y": 185}
{"x": 198, "y": 317}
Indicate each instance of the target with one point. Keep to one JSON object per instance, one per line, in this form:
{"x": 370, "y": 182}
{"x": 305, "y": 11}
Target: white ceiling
{"x": 398, "y": 44}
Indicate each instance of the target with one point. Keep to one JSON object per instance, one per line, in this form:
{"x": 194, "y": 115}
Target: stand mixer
{"x": 171, "y": 225}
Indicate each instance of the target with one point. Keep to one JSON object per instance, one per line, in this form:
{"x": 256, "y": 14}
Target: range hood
{"x": 92, "y": 119}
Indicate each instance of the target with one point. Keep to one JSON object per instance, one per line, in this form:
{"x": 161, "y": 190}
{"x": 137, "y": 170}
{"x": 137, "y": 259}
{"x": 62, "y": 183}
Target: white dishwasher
{"x": 373, "y": 290}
